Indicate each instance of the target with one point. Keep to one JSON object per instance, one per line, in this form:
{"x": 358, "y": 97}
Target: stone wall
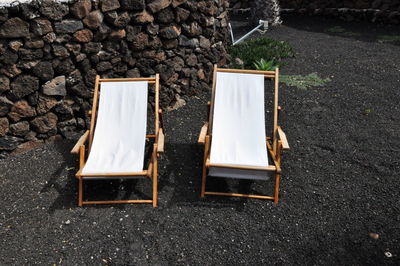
{"x": 386, "y": 11}
{"x": 50, "y": 53}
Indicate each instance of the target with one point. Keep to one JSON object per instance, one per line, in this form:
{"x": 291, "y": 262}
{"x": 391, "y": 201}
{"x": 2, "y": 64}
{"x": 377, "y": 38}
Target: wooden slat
{"x": 116, "y": 202}
{"x": 204, "y": 174}
{"x": 155, "y": 176}
{"x": 80, "y": 142}
{"x": 282, "y": 137}
{"x": 245, "y": 167}
{"x": 94, "y": 110}
{"x": 143, "y": 173}
{"x": 239, "y": 195}
{"x": 244, "y": 71}
{"x": 150, "y": 80}
{"x": 157, "y": 103}
{"x": 203, "y": 133}
{"x": 160, "y": 141}
{"x": 276, "y": 98}
{"x": 210, "y": 119}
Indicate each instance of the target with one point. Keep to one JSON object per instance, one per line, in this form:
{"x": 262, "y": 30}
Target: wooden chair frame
{"x": 158, "y": 146}
{"x": 275, "y": 145}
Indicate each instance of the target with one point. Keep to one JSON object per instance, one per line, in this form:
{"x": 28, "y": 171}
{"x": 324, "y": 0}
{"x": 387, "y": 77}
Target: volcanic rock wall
{"x": 387, "y": 11}
{"x": 50, "y": 53}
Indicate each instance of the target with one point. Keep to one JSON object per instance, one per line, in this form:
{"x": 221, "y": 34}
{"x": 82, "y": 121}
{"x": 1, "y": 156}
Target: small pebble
{"x": 388, "y": 254}
{"x": 374, "y": 236}
{"x": 68, "y": 222}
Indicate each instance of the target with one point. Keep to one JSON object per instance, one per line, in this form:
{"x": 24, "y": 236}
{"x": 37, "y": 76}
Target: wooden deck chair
{"x": 235, "y": 141}
{"x": 117, "y": 135}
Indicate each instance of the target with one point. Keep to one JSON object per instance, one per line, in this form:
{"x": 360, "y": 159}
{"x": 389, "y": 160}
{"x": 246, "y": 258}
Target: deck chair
{"x": 235, "y": 141}
{"x": 117, "y": 135}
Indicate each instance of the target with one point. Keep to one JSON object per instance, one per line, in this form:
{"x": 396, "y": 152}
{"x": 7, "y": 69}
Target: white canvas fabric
{"x": 120, "y": 134}
{"x": 238, "y": 133}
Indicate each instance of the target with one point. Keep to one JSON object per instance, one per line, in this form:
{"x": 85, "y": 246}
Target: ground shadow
{"x": 183, "y": 176}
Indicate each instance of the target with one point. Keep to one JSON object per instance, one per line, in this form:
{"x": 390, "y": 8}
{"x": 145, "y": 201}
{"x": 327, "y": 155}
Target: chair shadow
{"x": 108, "y": 189}
{"x": 180, "y": 171}
{"x": 183, "y": 174}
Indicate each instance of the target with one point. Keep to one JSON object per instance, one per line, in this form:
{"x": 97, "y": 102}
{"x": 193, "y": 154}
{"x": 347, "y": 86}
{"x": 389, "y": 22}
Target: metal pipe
{"x": 230, "y": 29}
{"x": 263, "y": 23}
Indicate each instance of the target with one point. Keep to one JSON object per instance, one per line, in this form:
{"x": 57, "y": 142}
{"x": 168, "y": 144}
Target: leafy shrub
{"x": 265, "y": 65}
{"x": 250, "y": 51}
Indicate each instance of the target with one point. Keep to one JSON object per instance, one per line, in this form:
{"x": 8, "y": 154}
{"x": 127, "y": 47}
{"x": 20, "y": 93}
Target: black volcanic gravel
{"x": 340, "y": 179}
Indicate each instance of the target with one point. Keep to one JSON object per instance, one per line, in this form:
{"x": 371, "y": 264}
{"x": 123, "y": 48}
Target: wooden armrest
{"x": 160, "y": 141}
{"x": 282, "y": 137}
{"x": 80, "y": 142}
{"x": 203, "y": 133}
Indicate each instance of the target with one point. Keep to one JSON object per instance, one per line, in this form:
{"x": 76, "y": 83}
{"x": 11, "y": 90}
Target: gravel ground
{"x": 339, "y": 184}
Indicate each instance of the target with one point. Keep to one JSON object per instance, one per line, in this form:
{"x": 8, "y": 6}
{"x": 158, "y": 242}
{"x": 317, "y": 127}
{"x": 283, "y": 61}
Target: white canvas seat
{"x": 117, "y": 135}
{"x": 235, "y": 139}
{"x": 120, "y": 134}
{"x": 239, "y": 125}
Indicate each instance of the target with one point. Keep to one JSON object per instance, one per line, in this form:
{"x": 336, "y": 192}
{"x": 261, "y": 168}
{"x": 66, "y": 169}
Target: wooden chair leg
{"x": 80, "y": 191}
{"x": 204, "y": 176}
{"x": 203, "y": 181}
{"x": 276, "y": 196}
{"x": 155, "y": 181}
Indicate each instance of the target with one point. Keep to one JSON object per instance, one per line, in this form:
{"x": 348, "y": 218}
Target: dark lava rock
{"x": 4, "y": 84}
{"x": 108, "y": 5}
{"x": 5, "y": 105}
{"x": 21, "y": 109}
{"x": 165, "y": 16}
{"x": 23, "y": 85}
{"x": 81, "y": 8}
{"x": 44, "y": 124}
{"x": 94, "y": 19}
{"x": 170, "y": 32}
{"x": 53, "y": 10}
{"x": 83, "y": 35}
{"x": 68, "y": 26}
{"x": 152, "y": 29}
{"x": 186, "y": 42}
{"x": 14, "y": 28}
{"x": 133, "y": 4}
{"x": 64, "y": 111}
{"x": 30, "y": 54}
{"x": 59, "y": 50}
{"x": 45, "y": 103}
{"x": 157, "y": 5}
{"x": 28, "y": 12}
{"x": 20, "y": 129}
{"x": 9, "y": 57}
{"x": 4, "y": 126}
{"x": 9, "y": 143}
{"x": 65, "y": 67}
{"x": 104, "y": 66}
{"x": 140, "y": 41}
{"x": 43, "y": 70}
{"x": 41, "y": 26}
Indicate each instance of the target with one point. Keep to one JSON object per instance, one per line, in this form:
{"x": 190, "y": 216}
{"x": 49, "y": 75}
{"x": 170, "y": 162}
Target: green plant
{"x": 265, "y": 65}
{"x": 250, "y": 51}
{"x": 303, "y": 82}
{"x": 336, "y": 29}
{"x": 389, "y": 38}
